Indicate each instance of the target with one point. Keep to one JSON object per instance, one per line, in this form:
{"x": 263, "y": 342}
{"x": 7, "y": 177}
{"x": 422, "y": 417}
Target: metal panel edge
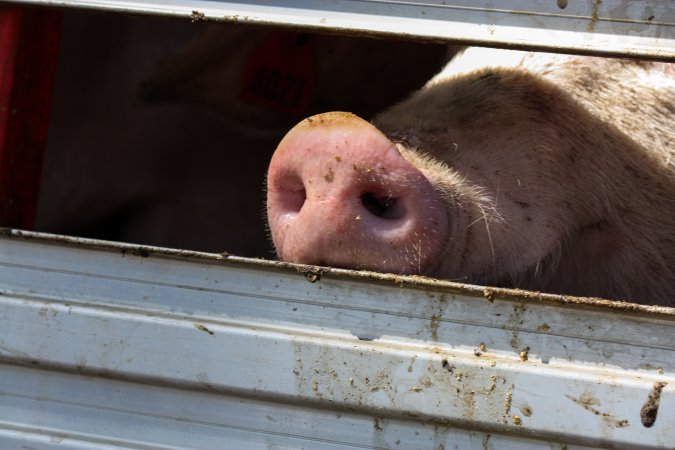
{"x": 644, "y": 29}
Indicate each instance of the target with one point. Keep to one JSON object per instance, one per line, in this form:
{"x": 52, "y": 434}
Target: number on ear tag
{"x": 281, "y": 73}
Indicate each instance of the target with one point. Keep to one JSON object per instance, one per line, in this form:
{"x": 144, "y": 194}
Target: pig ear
{"x": 233, "y": 70}
{"x": 208, "y": 70}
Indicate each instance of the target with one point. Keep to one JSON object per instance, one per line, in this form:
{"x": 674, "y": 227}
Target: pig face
{"x": 390, "y": 215}
{"x": 544, "y": 172}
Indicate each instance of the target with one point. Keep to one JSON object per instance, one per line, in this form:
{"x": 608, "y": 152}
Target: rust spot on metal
{"x": 651, "y": 407}
{"x": 507, "y": 401}
{"x": 594, "y": 15}
{"x": 313, "y": 274}
{"x": 543, "y": 328}
{"x": 524, "y": 354}
{"x": 589, "y": 403}
{"x": 140, "y": 251}
{"x": 486, "y": 441}
{"x": 433, "y": 327}
{"x": 197, "y": 16}
{"x": 201, "y": 327}
{"x": 489, "y": 294}
{"x": 447, "y": 366}
{"x": 514, "y": 322}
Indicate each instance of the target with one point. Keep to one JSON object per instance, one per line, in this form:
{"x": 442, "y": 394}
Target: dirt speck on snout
{"x": 330, "y": 175}
{"x": 651, "y": 407}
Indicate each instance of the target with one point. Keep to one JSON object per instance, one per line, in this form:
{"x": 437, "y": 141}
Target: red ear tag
{"x": 281, "y": 73}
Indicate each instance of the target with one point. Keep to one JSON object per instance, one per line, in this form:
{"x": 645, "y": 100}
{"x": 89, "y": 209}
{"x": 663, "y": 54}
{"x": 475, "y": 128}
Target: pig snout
{"x": 340, "y": 193}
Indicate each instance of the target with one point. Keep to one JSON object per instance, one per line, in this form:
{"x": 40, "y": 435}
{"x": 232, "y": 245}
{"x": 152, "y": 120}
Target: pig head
{"x": 536, "y": 171}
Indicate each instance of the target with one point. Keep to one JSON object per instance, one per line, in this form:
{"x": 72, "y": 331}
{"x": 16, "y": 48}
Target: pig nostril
{"x": 385, "y": 207}
{"x": 288, "y": 192}
{"x": 295, "y": 200}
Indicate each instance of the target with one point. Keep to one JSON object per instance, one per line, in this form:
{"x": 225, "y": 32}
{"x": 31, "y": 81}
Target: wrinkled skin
{"x": 551, "y": 172}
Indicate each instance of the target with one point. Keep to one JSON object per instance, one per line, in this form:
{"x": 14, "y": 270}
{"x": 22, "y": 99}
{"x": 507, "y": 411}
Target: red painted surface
{"x": 29, "y": 42}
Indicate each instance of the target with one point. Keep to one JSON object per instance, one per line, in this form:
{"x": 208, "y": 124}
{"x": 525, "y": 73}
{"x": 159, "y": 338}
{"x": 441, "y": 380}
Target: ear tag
{"x": 281, "y": 73}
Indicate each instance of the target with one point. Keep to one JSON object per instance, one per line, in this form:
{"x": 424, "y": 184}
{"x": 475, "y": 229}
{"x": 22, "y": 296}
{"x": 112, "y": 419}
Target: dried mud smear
{"x": 651, "y": 407}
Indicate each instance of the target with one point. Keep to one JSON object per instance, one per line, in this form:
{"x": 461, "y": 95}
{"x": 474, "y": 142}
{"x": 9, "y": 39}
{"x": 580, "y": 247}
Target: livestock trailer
{"x": 107, "y": 344}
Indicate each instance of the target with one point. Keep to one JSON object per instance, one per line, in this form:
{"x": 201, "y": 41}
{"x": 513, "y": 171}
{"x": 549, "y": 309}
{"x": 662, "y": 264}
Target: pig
{"x": 537, "y": 171}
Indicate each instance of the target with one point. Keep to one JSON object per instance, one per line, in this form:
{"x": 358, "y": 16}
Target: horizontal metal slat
{"x": 612, "y": 27}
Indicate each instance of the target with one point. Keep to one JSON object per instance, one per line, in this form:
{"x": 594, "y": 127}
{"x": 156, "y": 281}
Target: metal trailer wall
{"x": 107, "y": 345}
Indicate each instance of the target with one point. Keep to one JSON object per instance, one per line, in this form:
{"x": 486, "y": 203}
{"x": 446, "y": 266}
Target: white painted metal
{"x": 643, "y": 28}
{"x": 117, "y": 346}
